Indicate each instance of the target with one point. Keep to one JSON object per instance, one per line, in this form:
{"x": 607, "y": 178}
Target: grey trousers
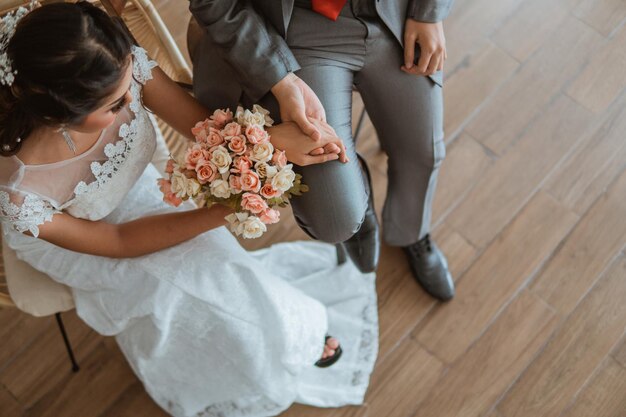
{"x": 406, "y": 110}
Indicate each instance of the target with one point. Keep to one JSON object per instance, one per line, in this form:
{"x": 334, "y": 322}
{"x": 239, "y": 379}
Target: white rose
{"x": 266, "y": 114}
{"x": 220, "y": 189}
{"x": 193, "y": 187}
{"x": 265, "y": 170}
{"x": 234, "y": 221}
{"x": 252, "y": 227}
{"x": 184, "y": 187}
{"x": 262, "y": 152}
{"x": 239, "y": 115}
{"x": 221, "y": 158}
{"x": 284, "y": 179}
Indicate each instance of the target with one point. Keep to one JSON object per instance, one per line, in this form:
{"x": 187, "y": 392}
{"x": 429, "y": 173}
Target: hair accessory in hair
{"x": 7, "y": 29}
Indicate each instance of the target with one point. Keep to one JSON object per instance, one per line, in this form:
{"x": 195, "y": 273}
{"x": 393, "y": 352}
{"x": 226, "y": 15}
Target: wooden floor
{"x": 531, "y": 211}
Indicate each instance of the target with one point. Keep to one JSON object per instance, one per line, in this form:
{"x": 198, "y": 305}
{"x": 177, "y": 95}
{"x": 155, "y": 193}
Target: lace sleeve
{"x": 142, "y": 65}
{"x": 26, "y": 216}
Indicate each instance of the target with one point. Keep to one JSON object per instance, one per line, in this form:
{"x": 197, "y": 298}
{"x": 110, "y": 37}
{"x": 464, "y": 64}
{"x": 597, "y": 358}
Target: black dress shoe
{"x": 364, "y": 246}
{"x": 430, "y": 268}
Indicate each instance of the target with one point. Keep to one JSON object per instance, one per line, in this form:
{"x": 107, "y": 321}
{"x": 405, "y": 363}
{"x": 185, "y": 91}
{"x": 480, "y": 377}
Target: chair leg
{"x": 68, "y": 346}
{"x": 359, "y": 125}
{"x": 342, "y": 256}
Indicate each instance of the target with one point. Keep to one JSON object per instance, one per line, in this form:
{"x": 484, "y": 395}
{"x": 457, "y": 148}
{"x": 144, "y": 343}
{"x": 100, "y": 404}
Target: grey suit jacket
{"x": 250, "y": 34}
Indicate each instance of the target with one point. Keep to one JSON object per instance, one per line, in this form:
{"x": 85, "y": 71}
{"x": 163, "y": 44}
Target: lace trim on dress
{"x": 128, "y": 133}
{"x": 142, "y": 65}
{"x": 33, "y": 212}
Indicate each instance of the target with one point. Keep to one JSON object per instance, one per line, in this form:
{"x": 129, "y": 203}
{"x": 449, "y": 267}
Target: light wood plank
{"x": 104, "y": 376}
{"x": 596, "y": 240}
{"x": 619, "y": 353}
{"x": 360, "y": 411}
{"x": 473, "y": 384}
{"x": 577, "y": 177}
{"x": 473, "y": 83}
{"x": 402, "y": 381}
{"x": 32, "y": 374}
{"x": 597, "y": 87}
{"x": 601, "y": 182}
{"x": 510, "y": 182}
{"x": 495, "y": 277}
{"x": 543, "y": 16}
{"x": 466, "y": 162}
{"x": 9, "y": 407}
{"x": 605, "y": 395}
{"x": 468, "y": 27}
{"x": 401, "y": 301}
{"x": 19, "y": 332}
{"x": 459, "y": 252}
{"x": 135, "y": 402}
{"x": 579, "y": 346}
{"x": 503, "y": 119}
{"x": 602, "y": 15}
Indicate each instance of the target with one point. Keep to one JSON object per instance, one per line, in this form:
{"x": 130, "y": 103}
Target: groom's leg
{"x": 407, "y": 111}
{"x": 334, "y": 207}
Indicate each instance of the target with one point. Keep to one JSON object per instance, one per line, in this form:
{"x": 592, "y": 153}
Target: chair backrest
{"x": 32, "y": 291}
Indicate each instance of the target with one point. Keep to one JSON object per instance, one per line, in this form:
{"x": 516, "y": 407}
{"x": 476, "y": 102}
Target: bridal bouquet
{"x": 232, "y": 162}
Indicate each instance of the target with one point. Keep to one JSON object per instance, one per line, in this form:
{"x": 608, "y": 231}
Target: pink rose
{"x": 237, "y": 144}
{"x": 254, "y": 203}
{"x": 231, "y": 129}
{"x": 250, "y": 182}
{"x": 221, "y": 117}
{"x": 268, "y": 191}
{"x": 169, "y": 168}
{"x": 255, "y": 134}
{"x": 214, "y": 137}
{"x": 168, "y": 196}
{"x": 241, "y": 164}
{"x": 235, "y": 183}
{"x": 270, "y": 216}
{"x": 279, "y": 159}
{"x": 206, "y": 171}
{"x": 201, "y": 128}
{"x": 194, "y": 154}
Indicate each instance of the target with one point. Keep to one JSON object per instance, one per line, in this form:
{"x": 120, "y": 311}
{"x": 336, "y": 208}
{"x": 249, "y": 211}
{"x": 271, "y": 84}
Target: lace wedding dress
{"x": 210, "y": 329}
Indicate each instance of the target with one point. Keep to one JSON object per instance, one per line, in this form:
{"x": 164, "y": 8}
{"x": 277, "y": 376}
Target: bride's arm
{"x": 172, "y": 103}
{"x": 136, "y": 238}
{"x": 181, "y": 111}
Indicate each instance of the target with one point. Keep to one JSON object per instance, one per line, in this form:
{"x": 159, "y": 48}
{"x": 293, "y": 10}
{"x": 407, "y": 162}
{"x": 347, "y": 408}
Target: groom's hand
{"x": 298, "y": 103}
{"x": 301, "y": 150}
{"x": 432, "y": 43}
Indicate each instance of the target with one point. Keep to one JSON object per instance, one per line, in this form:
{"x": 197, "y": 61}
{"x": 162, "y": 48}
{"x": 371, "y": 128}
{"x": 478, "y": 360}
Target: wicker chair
{"x": 28, "y": 289}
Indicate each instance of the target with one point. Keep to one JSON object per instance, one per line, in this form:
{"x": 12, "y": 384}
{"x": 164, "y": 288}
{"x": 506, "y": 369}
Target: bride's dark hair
{"x": 68, "y": 58}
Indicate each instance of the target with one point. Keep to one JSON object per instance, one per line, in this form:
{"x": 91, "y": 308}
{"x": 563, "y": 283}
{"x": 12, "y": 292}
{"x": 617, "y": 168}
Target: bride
{"x": 210, "y": 329}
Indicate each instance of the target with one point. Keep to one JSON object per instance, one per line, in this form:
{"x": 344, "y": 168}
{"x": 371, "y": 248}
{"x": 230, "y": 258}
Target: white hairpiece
{"x": 7, "y": 28}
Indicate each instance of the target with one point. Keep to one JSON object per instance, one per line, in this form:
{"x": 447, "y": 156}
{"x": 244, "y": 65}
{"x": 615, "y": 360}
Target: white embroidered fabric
{"x": 210, "y": 329}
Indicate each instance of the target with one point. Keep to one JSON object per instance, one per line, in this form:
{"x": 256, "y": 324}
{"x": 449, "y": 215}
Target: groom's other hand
{"x": 432, "y": 43}
{"x": 299, "y": 104}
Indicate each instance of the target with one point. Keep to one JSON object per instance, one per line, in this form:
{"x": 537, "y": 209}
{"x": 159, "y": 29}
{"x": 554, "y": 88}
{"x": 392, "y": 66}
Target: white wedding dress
{"x": 209, "y": 328}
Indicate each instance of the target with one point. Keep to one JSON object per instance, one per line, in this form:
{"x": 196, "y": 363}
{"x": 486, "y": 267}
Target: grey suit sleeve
{"x": 259, "y": 56}
{"x": 430, "y": 11}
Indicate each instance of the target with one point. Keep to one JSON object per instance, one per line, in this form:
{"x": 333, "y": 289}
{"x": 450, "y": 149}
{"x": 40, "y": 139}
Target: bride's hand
{"x": 301, "y": 150}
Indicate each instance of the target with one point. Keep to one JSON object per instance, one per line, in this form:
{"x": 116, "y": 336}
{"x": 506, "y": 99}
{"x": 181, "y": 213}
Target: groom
{"x": 301, "y": 59}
